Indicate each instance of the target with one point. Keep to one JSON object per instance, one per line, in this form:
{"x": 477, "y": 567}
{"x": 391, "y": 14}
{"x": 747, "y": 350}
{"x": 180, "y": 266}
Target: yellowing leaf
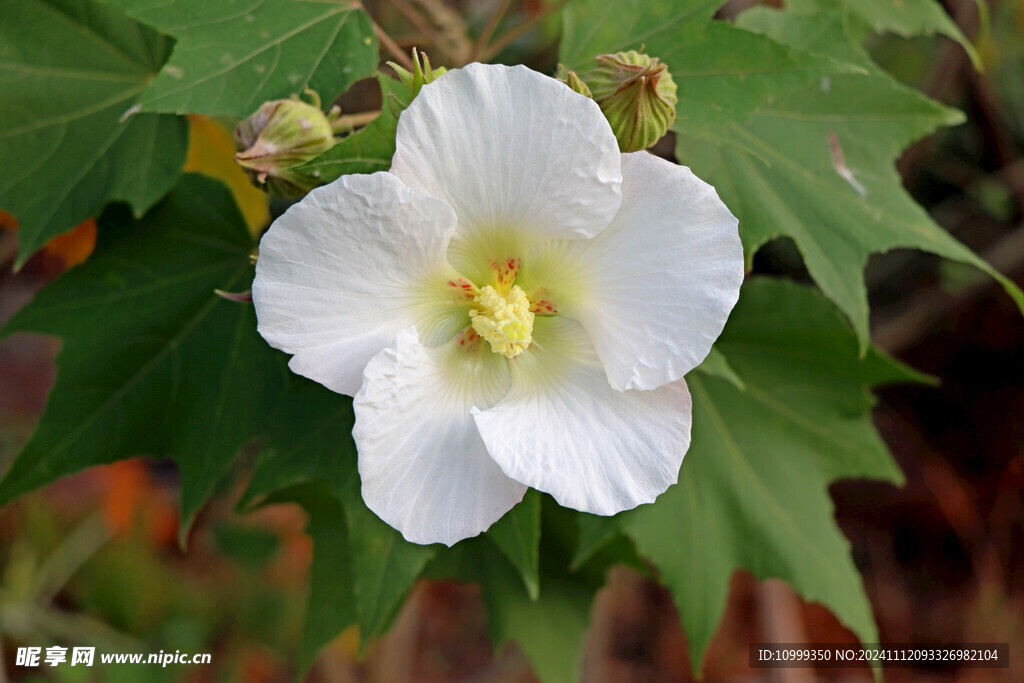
{"x": 75, "y": 245}
{"x": 211, "y": 151}
{"x": 72, "y": 247}
{"x": 7, "y": 221}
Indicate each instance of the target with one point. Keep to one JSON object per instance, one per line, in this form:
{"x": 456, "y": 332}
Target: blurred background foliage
{"x": 95, "y": 558}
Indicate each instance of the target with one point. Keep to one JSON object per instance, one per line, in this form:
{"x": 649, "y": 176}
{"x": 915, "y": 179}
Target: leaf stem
{"x": 517, "y": 32}
{"x": 348, "y": 122}
{"x": 400, "y": 56}
{"x": 417, "y": 20}
{"x": 492, "y": 25}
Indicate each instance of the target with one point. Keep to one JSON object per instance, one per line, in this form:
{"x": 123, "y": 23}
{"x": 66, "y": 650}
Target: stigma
{"x": 504, "y": 321}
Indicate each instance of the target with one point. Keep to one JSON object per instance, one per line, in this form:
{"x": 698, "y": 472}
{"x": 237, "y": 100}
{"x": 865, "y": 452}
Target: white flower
{"x": 513, "y": 305}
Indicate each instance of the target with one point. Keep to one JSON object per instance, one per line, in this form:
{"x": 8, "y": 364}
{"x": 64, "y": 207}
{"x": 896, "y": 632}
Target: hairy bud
{"x": 281, "y": 136}
{"x": 636, "y": 94}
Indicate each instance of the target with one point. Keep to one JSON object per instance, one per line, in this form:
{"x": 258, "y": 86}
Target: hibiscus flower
{"x": 513, "y": 305}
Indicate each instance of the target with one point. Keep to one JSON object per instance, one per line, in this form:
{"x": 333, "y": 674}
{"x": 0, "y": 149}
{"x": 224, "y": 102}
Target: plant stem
{"x": 348, "y": 122}
{"x": 453, "y": 41}
{"x": 386, "y": 40}
{"x": 492, "y": 24}
{"x": 417, "y": 20}
{"x": 517, "y": 32}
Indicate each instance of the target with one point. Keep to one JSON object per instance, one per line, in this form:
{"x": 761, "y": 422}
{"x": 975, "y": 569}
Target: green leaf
{"x": 817, "y": 166}
{"x": 595, "y": 532}
{"x": 906, "y": 18}
{"x": 723, "y": 73}
{"x": 68, "y": 71}
{"x": 230, "y": 57}
{"x": 249, "y": 546}
{"x": 153, "y": 362}
{"x": 517, "y": 534}
{"x": 331, "y": 606}
{"x": 385, "y": 566}
{"x": 311, "y": 441}
{"x": 881, "y": 368}
{"x": 753, "y": 489}
{"x": 367, "y": 150}
{"x": 824, "y": 32}
{"x": 549, "y": 629}
{"x": 717, "y": 365}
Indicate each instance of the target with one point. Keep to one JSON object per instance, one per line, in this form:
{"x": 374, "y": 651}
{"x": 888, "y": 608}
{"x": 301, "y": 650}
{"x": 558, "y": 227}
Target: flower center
{"x": 504, "y": 321}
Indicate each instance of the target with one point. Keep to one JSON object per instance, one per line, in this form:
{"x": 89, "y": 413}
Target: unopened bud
{"x": 636, "y": 94}
{"x": 281, "y": 136}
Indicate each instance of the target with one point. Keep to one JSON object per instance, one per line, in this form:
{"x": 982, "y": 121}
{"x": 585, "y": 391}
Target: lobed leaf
{"x": 331, "y": 606}
{"x": 906, "y": 18}
{"x": 549, "y": 628}
{"x": 69, "y": 70}
{"x": 722, "y": 73}
{"x": 230, "y": 57}
{"x": 153, "y": 362}
{"x": 310, "y": 442}
{"x": 517, "y": 535}
{"x": 753, "y": 489}
{"x": 817, "y": 164}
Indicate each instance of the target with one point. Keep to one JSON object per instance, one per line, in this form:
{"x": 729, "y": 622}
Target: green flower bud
{"x": 421, "y": 74}
{"x": 637, "y": 95}
{"x": 281, "y": 136}
{"x": 574, "y": 82}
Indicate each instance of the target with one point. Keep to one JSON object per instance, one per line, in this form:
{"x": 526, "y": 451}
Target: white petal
{"x": 518, "y": 155}
{"x": 424, "y": 468}
{"x": 342, "y": 271}
{"x": 655, "y": 288}
{"x": 564, "y": 430}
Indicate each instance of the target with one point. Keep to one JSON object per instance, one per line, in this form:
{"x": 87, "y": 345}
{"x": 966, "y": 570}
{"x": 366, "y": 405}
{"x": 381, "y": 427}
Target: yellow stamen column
{"x": 504, "y": 321}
